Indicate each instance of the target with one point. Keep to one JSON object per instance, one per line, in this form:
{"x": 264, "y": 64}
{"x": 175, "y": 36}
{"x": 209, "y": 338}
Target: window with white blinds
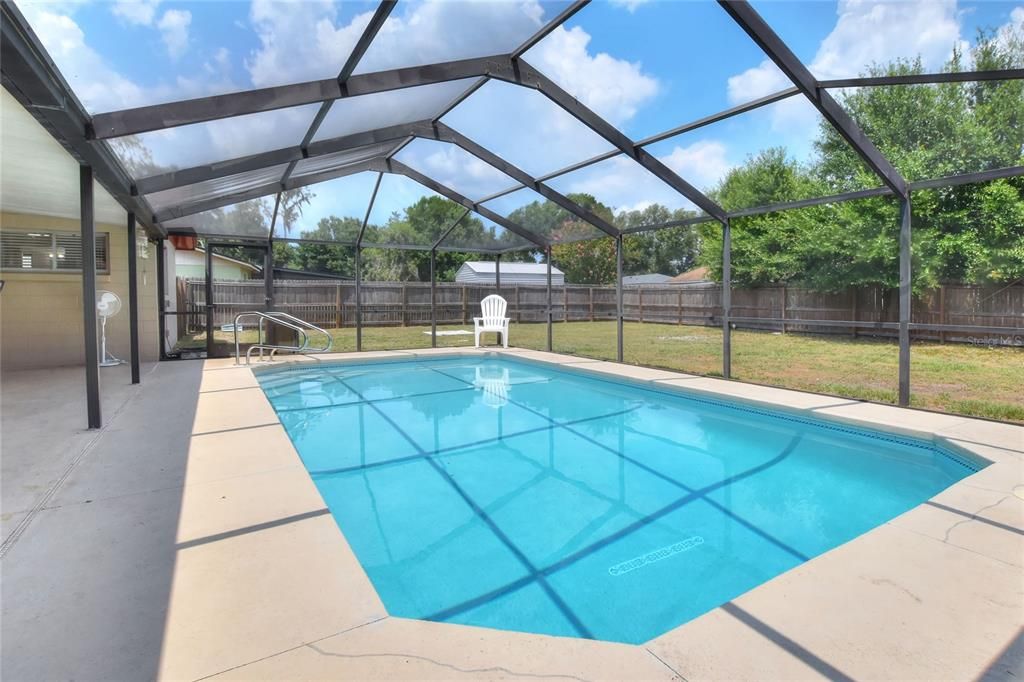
{"x": 34, "y": 251}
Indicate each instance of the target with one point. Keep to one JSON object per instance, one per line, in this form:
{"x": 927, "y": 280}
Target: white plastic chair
{"x": 492, "y": 319}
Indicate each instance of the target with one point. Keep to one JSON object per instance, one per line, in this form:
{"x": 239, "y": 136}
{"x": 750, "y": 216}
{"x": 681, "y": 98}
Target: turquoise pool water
{"x": 512, "y": 495}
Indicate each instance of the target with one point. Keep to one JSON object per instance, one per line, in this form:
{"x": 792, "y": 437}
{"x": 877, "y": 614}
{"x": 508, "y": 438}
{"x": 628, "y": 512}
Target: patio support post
{"x": 359, "y": 298}
{"x": 209, "y": 300}
{"x": 92, "y": 359}
{"x": 905, "y": 294}
{"x": 433, "y": 298}
{"x": 497, "y": 273}
{"x": 618, "y": 298}
{"x": 133, "y": 299}
{"x": 726, "y": 299}
{"x": 161, "y": 296}
{"x": 547, "y": 253}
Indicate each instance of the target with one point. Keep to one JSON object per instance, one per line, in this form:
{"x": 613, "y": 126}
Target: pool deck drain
{"x": 262, "y": 585}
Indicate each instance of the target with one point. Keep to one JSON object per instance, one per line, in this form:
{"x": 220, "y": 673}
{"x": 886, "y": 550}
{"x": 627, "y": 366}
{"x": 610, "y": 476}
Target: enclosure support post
{"x": 433, "y": 298}
{"x": 133, "y": 299}
{"x": 618, "y": 298}
{"x": 359, "y": 299}
{"x": 547, "y": 254}
{"x": 268, "y": 287}
{"x": 161, "y": 298}
{"x": 209, "y": 300}
{"x": 726, "y": 299}
{"x": 497, "y": 273}
{"x": 92, "y": 360}
{"x": 905, "y": 246}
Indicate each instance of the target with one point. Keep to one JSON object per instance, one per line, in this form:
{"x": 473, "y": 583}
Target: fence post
{"x": 785, "y": 297}
{"x": 565, "y": 303}
{"x": 853, "y": 309}
{"x": 405, "y": 304}
{"x": 942, "y": 311}
{"x": 339, "y": 317}
{"x": 465, "y": 309}
{"x": 640, "y": 295}
{"x": 591, "y": 304}
{"x": 515, "y": 303}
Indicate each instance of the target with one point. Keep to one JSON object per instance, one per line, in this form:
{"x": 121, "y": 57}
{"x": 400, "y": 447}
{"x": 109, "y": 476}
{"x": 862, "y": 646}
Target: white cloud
{"x": 173, "y": 27}
{"x": 139, "y": 12}
{"x": 455, "y": 168}
{"x": 614, "y": 88}
{"x": 869, "y": 31}
{"x": 622, "y": 184}
{"x": 757, "y": 81}
{"x": 630, "y": 5}
{"x": 299, "y": 41}
{"x": 426, "y": 32}
{"x": 702, "y": 163}
{"x": 1014, "y": 27}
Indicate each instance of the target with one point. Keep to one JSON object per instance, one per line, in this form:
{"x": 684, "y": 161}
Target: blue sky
{"x": 645, "y": 65}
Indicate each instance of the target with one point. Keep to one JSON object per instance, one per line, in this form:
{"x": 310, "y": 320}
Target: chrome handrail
{"x": 299, "y": 326}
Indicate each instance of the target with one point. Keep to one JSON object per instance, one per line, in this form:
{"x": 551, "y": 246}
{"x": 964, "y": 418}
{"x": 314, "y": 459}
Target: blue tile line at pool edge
{"x": 815, "y": 421}
{"x": 498, "y": 533}
{"x": 654, "y": 472}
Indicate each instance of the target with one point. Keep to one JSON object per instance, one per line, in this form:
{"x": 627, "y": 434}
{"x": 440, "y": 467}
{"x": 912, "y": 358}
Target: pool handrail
{"x": 284, "y": 319}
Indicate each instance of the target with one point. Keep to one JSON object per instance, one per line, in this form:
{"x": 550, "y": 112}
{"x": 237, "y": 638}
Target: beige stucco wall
{"x": 41, "y": 313}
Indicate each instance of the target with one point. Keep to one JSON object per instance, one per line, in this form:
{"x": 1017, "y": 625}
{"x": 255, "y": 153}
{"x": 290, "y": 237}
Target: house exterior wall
{"x": 41, "y": 313}
{"x": 192, "y": 265}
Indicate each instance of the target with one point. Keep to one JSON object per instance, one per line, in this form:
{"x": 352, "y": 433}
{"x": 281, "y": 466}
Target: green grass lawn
{"x": 964, "y": 379}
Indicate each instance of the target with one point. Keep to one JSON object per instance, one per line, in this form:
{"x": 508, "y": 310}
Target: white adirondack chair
{"x": 493, "y": 319}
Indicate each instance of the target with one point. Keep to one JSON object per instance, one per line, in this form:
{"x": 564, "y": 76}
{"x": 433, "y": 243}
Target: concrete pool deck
{"x": 190, "y": 542}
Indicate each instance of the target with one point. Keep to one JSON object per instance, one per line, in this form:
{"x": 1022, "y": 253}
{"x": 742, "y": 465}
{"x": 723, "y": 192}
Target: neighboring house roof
{"x": 487, "y": 268}
{"x": 701, "y": 274}
{"x": 289, "y": 273}
{"x": 652, "y": 278}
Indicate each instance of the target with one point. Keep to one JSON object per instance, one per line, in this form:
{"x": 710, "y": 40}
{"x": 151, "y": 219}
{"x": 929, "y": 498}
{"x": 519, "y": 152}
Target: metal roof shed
{"x": 483, "y": 272}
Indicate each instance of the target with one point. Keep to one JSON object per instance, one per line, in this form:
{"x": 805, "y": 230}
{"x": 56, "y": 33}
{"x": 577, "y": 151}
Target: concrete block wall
{"x": 41, "y": 313}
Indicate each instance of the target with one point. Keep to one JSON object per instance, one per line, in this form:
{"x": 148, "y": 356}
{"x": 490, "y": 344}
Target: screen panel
{"x": 454, "y": 167}
{"x": 761, "y": 157}
{"x": 418, "y": 32}
{"x": 217, "y": 187}
{"x": 934, "y": 131}
{"x": 171, "y": 149}
{"x": 393, "y": 107}
{"x": 524, "y": 127}
{"x": 118, "y": 55}
{"x": 547, "y": 219}
{"x": 245, "y": 220}
{"x": 634, "y": 195}
{"x": 649, "y": 66}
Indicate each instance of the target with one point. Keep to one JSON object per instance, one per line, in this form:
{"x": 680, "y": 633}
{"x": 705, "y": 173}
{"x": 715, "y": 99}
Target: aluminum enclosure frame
{"x": 32, "y": 78}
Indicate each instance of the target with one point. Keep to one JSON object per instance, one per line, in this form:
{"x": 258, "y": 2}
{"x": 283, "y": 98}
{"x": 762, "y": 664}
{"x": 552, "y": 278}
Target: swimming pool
{"x": 524, "y": 496}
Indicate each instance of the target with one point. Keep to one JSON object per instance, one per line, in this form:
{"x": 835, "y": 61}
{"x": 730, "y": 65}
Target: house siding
{"x": 41, "y": 313}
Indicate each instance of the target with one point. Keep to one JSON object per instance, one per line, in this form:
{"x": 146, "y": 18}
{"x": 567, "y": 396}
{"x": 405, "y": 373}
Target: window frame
{"x": 101, "y": 238}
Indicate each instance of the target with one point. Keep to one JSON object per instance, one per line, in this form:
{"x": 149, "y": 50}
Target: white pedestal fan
{"x": 108, "y": 304}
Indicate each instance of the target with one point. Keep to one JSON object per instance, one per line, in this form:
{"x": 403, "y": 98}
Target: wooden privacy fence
{"x": 782, "y": 308}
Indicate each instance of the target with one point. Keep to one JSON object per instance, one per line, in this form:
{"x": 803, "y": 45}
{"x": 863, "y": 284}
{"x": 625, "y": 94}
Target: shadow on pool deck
{"x": 86, "y": 583}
